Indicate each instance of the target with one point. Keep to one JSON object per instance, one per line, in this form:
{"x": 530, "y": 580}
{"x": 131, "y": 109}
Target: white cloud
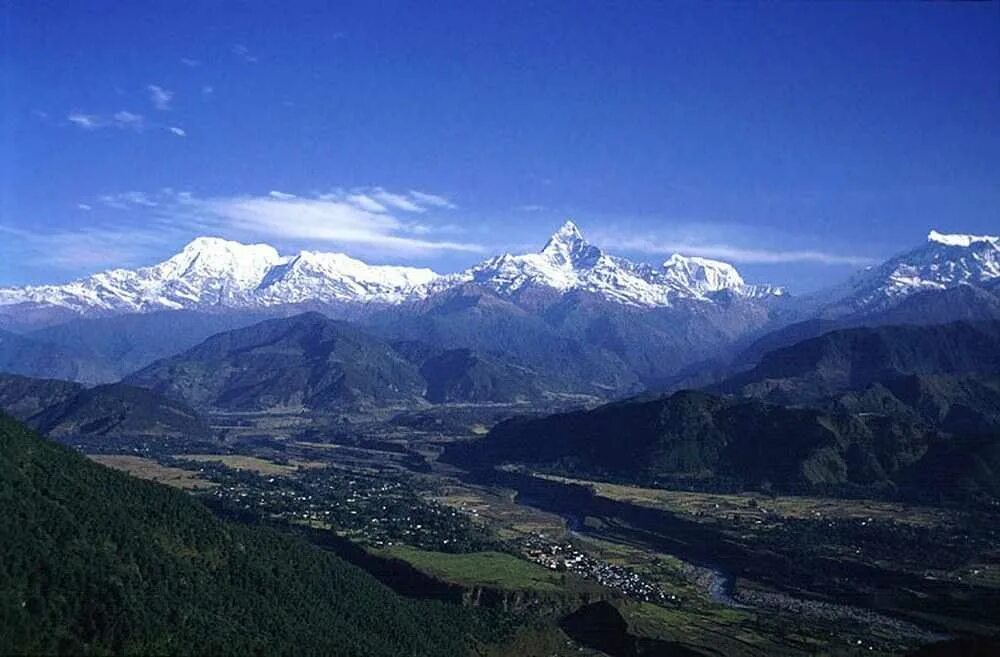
{"x": 192, "y": 63}
{"x": 350, "y": 219}
{"x": 335, "y": 220}
{"x": 180, "y": 132}
{"x": 126, "y": 119}
{"x": 160, "y": 97}
{"x": 85, "y": 121}
{"x": 127, "y": 200}
{"x": 653, "y": 245}
{"x": 90, "y": 247}
{"x": 243, "y": 53}
{"x": 378, "y": 199}
{"x": 366, "y": 202}
{"x": 431, "y": 200}
{"x": 398, "y": 201}
{"x": 122, "y": 119}
{"x": 530, "y": 208}
{"x": 84, "y": 206}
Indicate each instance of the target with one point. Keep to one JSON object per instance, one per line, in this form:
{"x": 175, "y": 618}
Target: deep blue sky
{"x": 797, "y": 140}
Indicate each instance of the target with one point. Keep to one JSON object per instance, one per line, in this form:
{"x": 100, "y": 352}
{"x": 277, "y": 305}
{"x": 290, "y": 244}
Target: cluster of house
{"x": 565, "y": 557}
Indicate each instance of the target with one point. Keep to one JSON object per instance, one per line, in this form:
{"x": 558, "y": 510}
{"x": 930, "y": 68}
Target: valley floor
{"x": 727, "y": 575}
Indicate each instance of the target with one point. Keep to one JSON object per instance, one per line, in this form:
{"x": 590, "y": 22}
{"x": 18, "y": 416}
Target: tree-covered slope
{"x": 65, "y": 409}
{"x": 959, "y": 404}
{"x": 306, "y": 361}
{"x": 700, "y": 439}
{"x": 464, "y": 375}
{"x": 24, "y": 397}
{"x": 93, "y": 561}
{"x": 851, "y": 359}
{"x": 117, "y": 409}
{"x": 471, "y": 318}
{"x": 962, "y": 303}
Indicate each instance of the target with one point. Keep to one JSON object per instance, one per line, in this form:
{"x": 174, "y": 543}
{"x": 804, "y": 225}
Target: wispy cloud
{"x": 243, "y": 53}
{"x": 345, "y": 219}
{"x": 366, "y": 202}
{"x": 432, "y": 200}
{"x": 88, "y": 247}
{"x": 126, "y": 200}
{"x": 125, "y": 119}
{"x": 121, "y": 119}
{"x": 160, "y": 97}
{"x": 723, "y": 250}
{"x": 340, "y": 219}
{"x": 180, "y": 132}
{"x": 191, "y": 63}
{"x": 397, "y": 201}
{"x": 85, "y": 121}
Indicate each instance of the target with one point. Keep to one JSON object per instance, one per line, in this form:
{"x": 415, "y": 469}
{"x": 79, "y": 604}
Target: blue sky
{"x": 798, "y": 141}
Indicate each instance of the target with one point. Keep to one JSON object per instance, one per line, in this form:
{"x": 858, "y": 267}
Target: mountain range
{"x": 851, "y": 359}
{"x": 213, "y": 273}
{"x": 311, "y": 362}
{"x": 570, "y": 318}
{"x": 696, "y": 439}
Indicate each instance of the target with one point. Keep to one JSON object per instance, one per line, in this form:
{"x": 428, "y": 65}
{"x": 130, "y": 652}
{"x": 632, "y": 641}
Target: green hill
{"x": 851, "y": 359}
{"x": 65, "y": 409}
{"x": 694, "y": 438}
{"x": 305, "y": 361}
{"x": 93, "y": 561}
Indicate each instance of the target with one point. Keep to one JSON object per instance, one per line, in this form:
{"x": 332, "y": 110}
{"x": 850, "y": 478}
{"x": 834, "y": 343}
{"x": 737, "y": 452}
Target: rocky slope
{"x": 944, "y": 262}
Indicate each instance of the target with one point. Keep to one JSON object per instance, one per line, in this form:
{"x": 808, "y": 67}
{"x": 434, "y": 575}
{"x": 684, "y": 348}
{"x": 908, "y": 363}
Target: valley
{"x": 727, "y": 574}
{"x": 567, "y": 451}
{"x": 499, "y": 329}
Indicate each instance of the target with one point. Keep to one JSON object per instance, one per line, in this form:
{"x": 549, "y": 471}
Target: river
{"x": 717, "y": 582}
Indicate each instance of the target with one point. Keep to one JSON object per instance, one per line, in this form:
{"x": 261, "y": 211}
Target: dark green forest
{"x": 93, "y": 561}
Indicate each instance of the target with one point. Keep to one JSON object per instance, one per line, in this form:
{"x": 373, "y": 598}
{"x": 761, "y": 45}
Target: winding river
{"x": 574, "y": 509}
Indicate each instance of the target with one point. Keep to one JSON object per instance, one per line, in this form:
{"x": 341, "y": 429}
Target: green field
{"x": 493, "y": 569}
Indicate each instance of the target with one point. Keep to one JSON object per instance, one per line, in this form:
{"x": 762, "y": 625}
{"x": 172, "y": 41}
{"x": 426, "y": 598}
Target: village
{"x": 380, "y": 511}
{"x": 566, "y": 557}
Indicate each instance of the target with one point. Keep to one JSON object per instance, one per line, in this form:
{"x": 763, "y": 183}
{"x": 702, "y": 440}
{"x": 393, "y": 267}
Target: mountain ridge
{"x": 211, "y": 272}
{"x": 853, "y": 358}
{"x": 700, "y": 440}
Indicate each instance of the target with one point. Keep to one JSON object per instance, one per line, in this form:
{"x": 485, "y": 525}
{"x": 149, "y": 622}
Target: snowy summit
{"x": 211, "y": 272}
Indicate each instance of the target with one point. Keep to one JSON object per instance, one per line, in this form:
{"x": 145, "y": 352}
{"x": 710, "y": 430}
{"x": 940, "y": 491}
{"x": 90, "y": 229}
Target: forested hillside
{"x": 698, "y": 439}
{"x": 93, "y": 561}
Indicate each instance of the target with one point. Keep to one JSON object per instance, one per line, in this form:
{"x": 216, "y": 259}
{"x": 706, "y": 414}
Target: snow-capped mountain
{"x": 568, "y": 262}
{"x": 215, "y": 273}
{"x": 945, "y": 261}
{"x": 212, "y": 272}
